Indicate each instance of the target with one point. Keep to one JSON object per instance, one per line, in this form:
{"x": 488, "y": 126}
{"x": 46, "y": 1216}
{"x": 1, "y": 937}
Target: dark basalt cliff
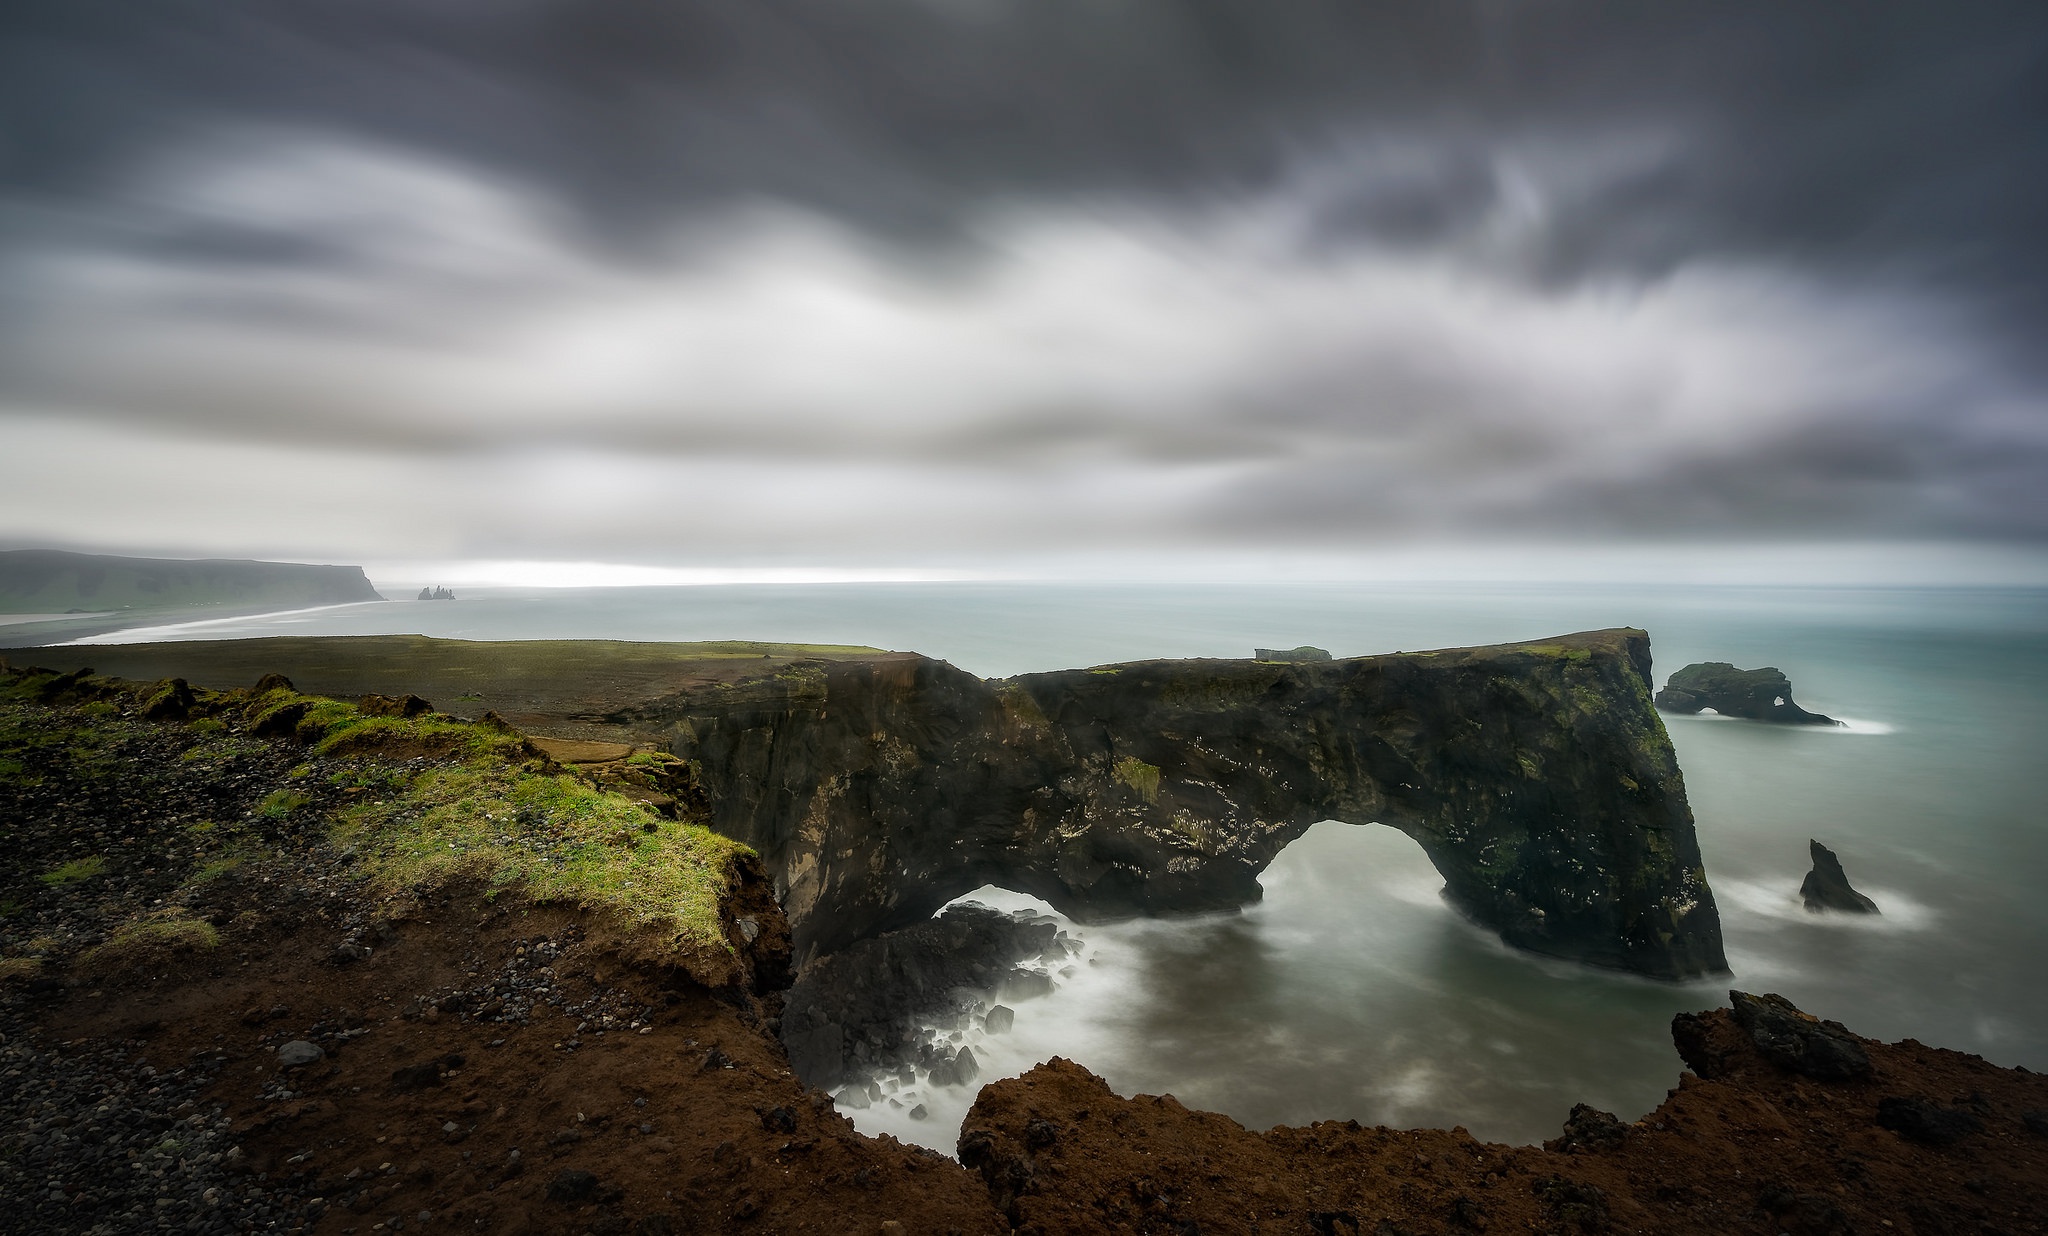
{"x": 1537, "y": 777}
{"x": 53, "y": 581}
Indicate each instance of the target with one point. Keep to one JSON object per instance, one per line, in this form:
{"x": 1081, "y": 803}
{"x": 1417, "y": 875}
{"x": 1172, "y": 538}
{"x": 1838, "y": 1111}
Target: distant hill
{"x": 48, "y": 581}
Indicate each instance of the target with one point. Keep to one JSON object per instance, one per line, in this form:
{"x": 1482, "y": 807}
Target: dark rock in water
{"x": 1026, "y": 985}
{"x": 861, "y": 1009}
{"x": 1292, "y": 655}
{"x": 1759, "y": 694}
{"x": 1827, "y": 886}
{"x": 1799, "y": 1041}
{"x": 1926, "y": 1122}
{"x": 1001, "y": 1019}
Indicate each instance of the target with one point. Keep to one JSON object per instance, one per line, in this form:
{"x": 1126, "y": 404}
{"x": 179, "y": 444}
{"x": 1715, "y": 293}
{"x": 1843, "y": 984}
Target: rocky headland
{"x": 272, "y": 962}
{"x": 1759, "y": 694}
{"x": 876, "y": 787}
{"x": 49, "y": 581}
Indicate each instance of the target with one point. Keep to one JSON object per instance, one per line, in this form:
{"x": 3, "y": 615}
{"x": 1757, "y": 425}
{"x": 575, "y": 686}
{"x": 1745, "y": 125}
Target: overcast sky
{"x": 937, "y": 281}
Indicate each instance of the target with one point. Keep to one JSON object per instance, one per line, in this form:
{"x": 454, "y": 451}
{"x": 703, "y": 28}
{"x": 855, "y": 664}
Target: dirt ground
{"x": 684, "y": 1113}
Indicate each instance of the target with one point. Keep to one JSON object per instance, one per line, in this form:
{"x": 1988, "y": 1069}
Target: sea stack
{"x": 1759, "y": 694}
{"x": 1827, "y": 885}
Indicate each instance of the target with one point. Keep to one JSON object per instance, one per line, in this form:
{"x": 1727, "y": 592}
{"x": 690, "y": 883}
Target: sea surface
{"x": 1351, "y": 990}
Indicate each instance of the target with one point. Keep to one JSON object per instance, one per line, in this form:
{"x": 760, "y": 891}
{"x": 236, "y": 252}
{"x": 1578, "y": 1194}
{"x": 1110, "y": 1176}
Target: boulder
{"x": 1799, "y": 1041}
{"x": 1826, "y": 887}
{"x": 1759, "y": 694}
{"x": 1292, "y": 655}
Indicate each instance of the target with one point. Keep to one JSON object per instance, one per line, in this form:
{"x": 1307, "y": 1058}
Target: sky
{"x": 938, "y": 284}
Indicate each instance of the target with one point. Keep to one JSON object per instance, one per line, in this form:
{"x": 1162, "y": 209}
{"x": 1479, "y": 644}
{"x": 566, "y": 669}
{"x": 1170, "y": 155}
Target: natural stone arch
{"x": 1536, "y": 777}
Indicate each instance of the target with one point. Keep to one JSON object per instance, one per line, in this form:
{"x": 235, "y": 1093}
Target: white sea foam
{"x": 1779, "y": 901}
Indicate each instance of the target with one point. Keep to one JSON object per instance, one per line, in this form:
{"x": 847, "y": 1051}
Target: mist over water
{"x": 1352, "y": 991}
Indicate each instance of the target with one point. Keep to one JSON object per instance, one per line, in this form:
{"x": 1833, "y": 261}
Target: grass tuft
{"x": 77, "y": 871}
{"x": 147, "y": 939}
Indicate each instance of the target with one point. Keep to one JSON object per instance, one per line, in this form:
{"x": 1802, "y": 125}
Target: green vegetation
{"x": 19, "y": 967}
{"x": 145, "y": 939}
{"x": 278, "y": 804}
{"x": 1140, "y": 776}
{"x": 551, "y": 836}
{"x": 77, "y": 871}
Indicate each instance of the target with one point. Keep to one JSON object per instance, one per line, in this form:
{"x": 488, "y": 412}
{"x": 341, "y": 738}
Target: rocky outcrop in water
{"x": 1304, "y": 653}
{"x": 1537, "y": 777}
{"x": 1826, "y": 887}
{"x": 863, "y": 1009}
{"x": 1759, "y": 694}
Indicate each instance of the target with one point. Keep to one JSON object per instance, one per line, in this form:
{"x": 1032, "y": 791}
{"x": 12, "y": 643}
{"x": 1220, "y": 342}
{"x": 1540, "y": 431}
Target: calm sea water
{"x": 1352, "y": 991}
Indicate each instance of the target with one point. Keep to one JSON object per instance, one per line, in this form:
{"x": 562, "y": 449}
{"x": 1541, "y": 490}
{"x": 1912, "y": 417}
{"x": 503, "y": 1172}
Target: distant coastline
{"x": 71, "y": 596}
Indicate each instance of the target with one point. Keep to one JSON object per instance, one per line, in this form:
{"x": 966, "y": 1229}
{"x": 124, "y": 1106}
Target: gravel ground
{"x": 95, "y": 1143}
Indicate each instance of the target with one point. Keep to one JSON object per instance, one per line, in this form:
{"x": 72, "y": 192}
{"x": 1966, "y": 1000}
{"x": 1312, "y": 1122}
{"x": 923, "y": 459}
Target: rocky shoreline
{"x": 338, "y": 1057}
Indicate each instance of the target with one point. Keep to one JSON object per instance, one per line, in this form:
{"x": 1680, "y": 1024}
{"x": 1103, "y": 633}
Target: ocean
{"x": 1351, "y": 991}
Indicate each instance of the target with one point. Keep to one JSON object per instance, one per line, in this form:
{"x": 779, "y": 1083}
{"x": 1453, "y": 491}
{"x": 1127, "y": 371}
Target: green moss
{"x": 214, "y": 870}
{"x": 209, "y": 725}
{"x": 1140, "y": 776}
{"x": 551, "y": 836}
{"x": 278, "y": 804}
{"x": 77, "y": 871}
{"x": 137, "y": 941}
{"x": 98, "y": 708}
{"x": 18, "y": 967}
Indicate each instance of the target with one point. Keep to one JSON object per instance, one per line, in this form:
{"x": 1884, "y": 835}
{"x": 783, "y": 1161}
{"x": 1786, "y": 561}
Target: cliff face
{"x": 52, "y": 581}
{"x": 1537, "y": 777}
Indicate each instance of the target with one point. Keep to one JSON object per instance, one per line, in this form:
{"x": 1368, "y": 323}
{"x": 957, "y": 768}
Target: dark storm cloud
{"x": 1180, "y": 269}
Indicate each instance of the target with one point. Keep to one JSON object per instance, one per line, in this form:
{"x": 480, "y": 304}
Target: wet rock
{"x": 1926, "y": 1122}
{"x": 1001, "y": 1019}
{"x": 920, "y": 1112}
{"x": 1799, "y": 1041}
{"x": 1759, "y": 694}
{"x": 862, "y": 1010}
{"x": 1026, "y": 985}
{"x": 299, "y": 1053}
{"x": 1827, "y": 886}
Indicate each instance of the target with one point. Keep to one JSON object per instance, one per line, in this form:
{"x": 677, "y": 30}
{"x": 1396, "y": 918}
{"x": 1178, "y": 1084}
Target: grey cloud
{"x": 1179, "y": 269}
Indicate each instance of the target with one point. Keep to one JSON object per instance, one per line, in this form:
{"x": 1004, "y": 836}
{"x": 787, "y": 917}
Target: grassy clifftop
{"x": 141, "y": 817}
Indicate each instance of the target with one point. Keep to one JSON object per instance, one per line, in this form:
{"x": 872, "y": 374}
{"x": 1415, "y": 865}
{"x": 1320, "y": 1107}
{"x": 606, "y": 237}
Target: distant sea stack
{"x": 436, "y": 594}
{"x": 1759, "y": 694}
{"x": 48, "y": 581}
{"x": 1827, "y": 885}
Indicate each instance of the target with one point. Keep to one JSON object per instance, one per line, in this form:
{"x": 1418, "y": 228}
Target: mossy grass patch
{"x": 148, "y": 940}
{"x": 551, "y": 837}
{"x": 77, "y": 871}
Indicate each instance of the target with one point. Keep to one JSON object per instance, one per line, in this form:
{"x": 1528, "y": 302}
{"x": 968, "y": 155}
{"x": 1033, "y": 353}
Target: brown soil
{"x": 1757, "y": 1149}
{"x": 689, "y": 1122}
